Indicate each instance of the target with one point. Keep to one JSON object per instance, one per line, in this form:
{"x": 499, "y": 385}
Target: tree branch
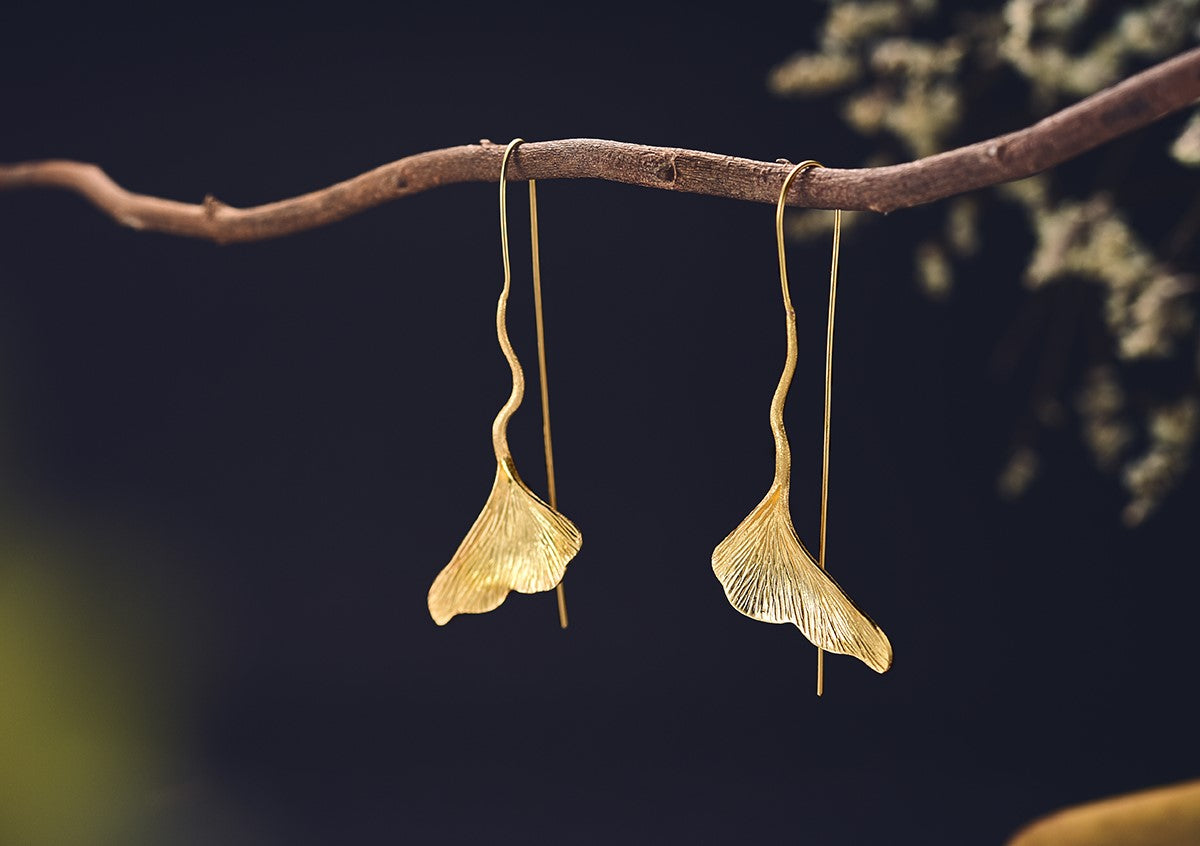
{"x": 1129, "y": 105}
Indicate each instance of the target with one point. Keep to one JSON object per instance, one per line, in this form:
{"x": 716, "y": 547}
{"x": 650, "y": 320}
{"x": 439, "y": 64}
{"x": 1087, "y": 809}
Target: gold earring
{"x": 518, "y": 542}
{"x": 766, "y": 571}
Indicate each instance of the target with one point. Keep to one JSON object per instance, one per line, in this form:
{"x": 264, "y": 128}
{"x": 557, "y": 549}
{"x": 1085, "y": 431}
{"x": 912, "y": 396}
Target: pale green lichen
{"x": 933, "y": 270}
{"x": 919, "y": 104}
{"x": 1143, "y": 302}
{"x": 850, "y": 24}
{"x": 1018, "y": 474}
{"x": 867, "y": 110}
{"x": 1031, "y": 192}
{"x": 1151, "y": 476}
{"x": 1157, "y": 29}
{"x": 1101, "y": 405}
{"x": 1149, "y": 317}
{"x": 1186, "y": 149}
{"x": 1037, "y": 31}
{"x": 807, "y": 224}
{"x": 924, "y": 116}
{"x": 962, "y": 227}
{"x": 814, "y": 73}
{"x": 908, "y": 58}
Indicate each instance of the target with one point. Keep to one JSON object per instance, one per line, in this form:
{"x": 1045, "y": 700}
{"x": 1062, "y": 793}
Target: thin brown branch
{"x": 1129, "y": 105}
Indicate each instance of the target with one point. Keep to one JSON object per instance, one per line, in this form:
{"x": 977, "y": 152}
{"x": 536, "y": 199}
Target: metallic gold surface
{"x": 766, "y": 571}
{"x": 517, "y": 542}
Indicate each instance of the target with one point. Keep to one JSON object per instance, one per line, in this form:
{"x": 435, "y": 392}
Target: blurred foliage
{"x": 82, "y": 740}
{"x": 916, "y": 77}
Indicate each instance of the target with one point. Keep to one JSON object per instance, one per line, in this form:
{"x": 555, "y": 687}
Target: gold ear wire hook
{"x": 541, "y": 336}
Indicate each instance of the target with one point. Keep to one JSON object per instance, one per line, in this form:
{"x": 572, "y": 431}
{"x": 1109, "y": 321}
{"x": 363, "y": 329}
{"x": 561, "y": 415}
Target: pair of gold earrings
{"x": 522, "y": 543}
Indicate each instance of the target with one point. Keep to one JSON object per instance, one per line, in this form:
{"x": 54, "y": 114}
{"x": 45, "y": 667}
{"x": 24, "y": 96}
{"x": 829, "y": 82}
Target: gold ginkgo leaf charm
{"x": 765, "y": 570}
{"x": 769, "y": 575}
{"x": 517, "y": 543}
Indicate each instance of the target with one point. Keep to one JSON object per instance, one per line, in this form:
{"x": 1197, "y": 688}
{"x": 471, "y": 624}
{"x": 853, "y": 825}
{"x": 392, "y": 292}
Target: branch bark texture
{"x": 1129, "y": 105}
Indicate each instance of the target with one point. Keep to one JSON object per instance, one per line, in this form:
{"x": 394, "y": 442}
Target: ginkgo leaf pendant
{"x": 517, "y": 543}
{"x": 769, "y": 575}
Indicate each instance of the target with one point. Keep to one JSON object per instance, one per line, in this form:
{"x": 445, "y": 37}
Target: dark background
{"x": 263, "y": 454}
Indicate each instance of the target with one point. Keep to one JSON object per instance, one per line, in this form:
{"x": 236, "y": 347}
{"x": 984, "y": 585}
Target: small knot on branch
{"x": 211, "y": 206}
{"x": 667, "y": 171}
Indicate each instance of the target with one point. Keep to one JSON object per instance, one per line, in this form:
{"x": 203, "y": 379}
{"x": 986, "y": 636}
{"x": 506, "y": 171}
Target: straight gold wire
{"x": 833, "y": 272}
{"x": 541, "y": 342}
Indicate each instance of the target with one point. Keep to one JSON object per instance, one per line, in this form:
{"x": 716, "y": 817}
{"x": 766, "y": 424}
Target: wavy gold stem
{"x": 783, "y": 451}
{"x": 500, "y": 424}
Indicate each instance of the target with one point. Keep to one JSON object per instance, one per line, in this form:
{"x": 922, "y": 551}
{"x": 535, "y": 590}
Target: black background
{"x": 299, "y": 430}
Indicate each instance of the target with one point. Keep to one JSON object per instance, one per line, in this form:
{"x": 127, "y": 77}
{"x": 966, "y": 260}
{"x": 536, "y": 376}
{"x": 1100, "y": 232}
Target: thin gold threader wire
{"x": 787, "y": 301}
{"x": 541, "y": 337}
{"x": 541, "y": 343}
{"x": 833, "y": 274}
